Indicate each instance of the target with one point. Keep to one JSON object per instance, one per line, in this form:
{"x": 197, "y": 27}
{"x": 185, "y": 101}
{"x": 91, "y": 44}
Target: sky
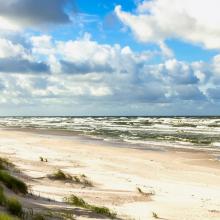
{"x": 120, "y": 57}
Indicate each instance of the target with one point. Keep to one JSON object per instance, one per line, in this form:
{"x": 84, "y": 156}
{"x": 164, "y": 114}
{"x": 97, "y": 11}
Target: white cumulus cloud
{"x": 155, "y": 21}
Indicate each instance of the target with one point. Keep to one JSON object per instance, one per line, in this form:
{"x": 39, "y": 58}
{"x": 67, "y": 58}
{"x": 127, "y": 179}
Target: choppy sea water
{"x": 185, "y": 132}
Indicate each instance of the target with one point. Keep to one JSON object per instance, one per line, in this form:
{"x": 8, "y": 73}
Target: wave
{"x": 189, "y": 131}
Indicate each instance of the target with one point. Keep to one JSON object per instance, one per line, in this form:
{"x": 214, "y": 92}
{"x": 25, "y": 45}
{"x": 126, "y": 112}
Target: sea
{"x": 201, "y": 133}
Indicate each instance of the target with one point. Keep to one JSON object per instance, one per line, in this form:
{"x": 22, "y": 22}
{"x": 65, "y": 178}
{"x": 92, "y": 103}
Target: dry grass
{"x": 154, "y": 214}
{"x": 60, "y": 175}
{"x": 144, "y": 193}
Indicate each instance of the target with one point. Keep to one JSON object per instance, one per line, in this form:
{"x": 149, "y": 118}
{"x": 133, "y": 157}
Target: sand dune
{"x": 178, "y": 184}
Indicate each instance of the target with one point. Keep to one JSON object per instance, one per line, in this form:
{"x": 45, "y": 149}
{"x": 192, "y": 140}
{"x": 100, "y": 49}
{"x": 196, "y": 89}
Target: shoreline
{"x": 114, "y": 143}
{"x": 185, "y": 184}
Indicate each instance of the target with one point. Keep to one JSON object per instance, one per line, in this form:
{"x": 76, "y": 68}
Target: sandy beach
{"x": 175, "y": 184}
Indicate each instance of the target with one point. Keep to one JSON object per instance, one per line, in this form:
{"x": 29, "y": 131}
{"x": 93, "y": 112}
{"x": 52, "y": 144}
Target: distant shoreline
{"x": 72, "y": 135}
{"x": 145, "y": 133}
{"x": 110, "y": 116}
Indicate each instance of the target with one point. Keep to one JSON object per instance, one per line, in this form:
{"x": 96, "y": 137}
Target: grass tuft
{"x": 13, "y": 183}
{"x": 43, "y": 159}
{"x": 5, "y": 164}
{"x": 103, "y": 211}
{"x": 2, "y": 196}
{"x": 155, "y": 215}
{"x": 14, "y": 206}
{"x": 77, "y": 201}
{"x": 144, "y": 193}
{"x": 38, "y": 216}
{"x": 7, "y": 217}
{"x": 60, "y": 175}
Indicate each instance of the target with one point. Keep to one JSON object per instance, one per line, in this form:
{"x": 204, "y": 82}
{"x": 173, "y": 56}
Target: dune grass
{"x": 6, "y": 217}
{"x": 43, "y": 159}
{"x": 82, "y": 180}
{"x": 38, "y": 216}
{"x": 13, "y": 183}
{"x": 2, "y": 196}
{"x": 14, "y": 206}
{"x": 145, "y": 193}
{"x": 60, "y": 175}
{"x": 79, "y": 202}
{"x": 155, "y": 215}
{"x": 5, "y": 164}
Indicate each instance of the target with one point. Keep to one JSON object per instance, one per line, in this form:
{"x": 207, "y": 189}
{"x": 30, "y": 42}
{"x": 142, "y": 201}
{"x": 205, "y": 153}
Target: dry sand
{"x": 186, "y": 185}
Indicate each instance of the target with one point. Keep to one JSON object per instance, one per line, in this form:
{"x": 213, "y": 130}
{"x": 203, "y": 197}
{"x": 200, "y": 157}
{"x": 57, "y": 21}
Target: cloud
{"x": 83, "y": 68}
{"x": 188, "y": 92}
{"x": 179, "y": 72}
{"x": 83, "y": 72}
{"x": 8, "y": 49}
{"x": 214, "y": 93}
{"x": 85, "y": 55}
{"x": 31, "y": 13}
{"x": 190, "y": 20}
{"x": 16, "y": 65}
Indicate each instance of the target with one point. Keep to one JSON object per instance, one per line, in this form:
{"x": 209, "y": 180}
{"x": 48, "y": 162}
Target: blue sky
{"x": 134, "y": 57}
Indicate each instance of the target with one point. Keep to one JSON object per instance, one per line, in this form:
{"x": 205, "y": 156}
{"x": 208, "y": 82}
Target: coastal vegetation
{"x": 43, "y": 159}
{"x": 79, "y": 202}
{"x": 13, "y": 183}
{"x": 14, "y": 206}
{"x": 4, "y": 216}
{"x": 81, "y": 179}
{"x": 144, "y": 193}
{"x": 155, "y": 215}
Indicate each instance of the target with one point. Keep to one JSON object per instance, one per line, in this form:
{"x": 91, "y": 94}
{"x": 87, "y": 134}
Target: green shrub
{"x": 14, "y": 206}
{"x": 13, "y": 183}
